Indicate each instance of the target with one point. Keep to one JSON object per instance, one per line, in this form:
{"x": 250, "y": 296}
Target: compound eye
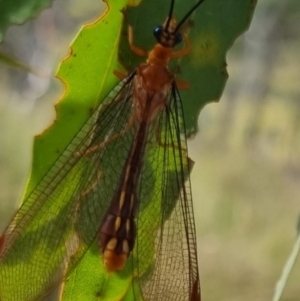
{"x": 178, "y": 38}
{"x": 157, "y": 33}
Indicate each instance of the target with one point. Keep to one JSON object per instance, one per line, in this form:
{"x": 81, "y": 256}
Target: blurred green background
{"x": 247, "y": 165}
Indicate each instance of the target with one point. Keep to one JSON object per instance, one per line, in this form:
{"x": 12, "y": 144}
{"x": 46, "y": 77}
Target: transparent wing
{"x": 165, "y": 253}
{"x": 61, "y": 217}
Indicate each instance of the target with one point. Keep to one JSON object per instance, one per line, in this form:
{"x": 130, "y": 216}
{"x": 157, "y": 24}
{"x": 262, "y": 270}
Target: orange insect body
{"x": 152, "y": 84}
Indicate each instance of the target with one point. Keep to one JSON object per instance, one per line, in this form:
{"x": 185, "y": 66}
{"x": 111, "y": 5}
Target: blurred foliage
{"x": 19, "y": 11}
{"x": 13, "y": 62}
{"x": 246, "y": 177}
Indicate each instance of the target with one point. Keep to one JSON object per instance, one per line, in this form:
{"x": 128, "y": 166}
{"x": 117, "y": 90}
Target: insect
{"x": 124, "y": 179}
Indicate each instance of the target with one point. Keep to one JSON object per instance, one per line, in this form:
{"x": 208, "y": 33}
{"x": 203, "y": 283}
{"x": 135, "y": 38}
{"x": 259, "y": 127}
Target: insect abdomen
{"x": 118, "y": 230}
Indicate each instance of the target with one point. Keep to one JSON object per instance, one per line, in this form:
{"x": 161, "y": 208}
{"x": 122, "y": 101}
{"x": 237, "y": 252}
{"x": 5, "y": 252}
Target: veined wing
{"x": 61, "y": 217}
{"x": 165, "y": 256}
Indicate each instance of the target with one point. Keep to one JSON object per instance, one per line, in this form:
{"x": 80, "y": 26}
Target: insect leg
{"x": 182, "y": 84}
{"x": 135, "y": 49}
{"x": 85, "y": 193}
{"x": 114, "y": 137}
{"x": 184, "y": 51}
{"x": 121, "y": 75}
{"x": 92, "y": 186}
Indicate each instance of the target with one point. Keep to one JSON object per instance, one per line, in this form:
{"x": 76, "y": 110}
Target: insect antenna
{"x": 170, "y": 14}
{"x": 187, "y": 15}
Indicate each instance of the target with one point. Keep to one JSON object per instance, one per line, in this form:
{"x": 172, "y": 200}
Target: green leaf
{"x": 19, "y": 11}
{"x": 90, "y": 280}
{"x": 87, "y": 74}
